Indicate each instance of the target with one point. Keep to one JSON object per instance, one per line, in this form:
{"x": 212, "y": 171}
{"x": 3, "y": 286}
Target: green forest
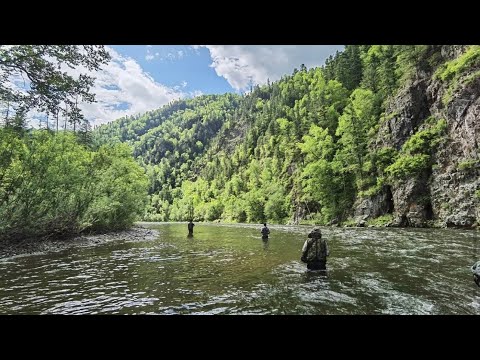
{"x": 308, "y": 148}
{"x": 303, "y": 149}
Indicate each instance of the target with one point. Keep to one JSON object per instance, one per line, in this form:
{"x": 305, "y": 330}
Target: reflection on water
{"x": 230, "y": 269}
{"x": 265, "y": 243}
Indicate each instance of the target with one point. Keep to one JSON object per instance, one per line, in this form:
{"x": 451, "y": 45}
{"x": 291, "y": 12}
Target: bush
{"x": 53, "y": 186}
{"x": 415, "y": 154}
{"x": 467, "y": 165}
{"x": 408, "y": 165}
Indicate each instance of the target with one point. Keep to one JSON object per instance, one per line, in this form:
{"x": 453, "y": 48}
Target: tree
{"x": 36, "y": 77}
{"x": 360, "y": 115}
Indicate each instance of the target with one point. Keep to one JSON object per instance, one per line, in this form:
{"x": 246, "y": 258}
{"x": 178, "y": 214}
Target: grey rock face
{"x": 410, "y": 109}
{"x": 374, "y": 206}
{"x": 446, "y": 195}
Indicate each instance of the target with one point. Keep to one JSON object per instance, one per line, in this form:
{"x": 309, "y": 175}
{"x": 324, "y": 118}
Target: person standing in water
{"x": 190, "y": 228}
{"x": 265, "y": 231}
{"x": 315, "y": 251}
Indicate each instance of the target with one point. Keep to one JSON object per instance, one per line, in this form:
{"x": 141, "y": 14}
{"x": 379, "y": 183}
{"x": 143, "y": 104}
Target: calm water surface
{"x": 228, "y": 269}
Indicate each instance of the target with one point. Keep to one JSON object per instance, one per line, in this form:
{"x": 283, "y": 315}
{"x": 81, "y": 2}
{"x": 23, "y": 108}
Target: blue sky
{"x": 145, "y": 77}
{"x": 180, "y": 65}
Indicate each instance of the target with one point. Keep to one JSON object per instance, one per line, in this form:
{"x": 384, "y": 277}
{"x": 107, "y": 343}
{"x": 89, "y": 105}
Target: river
{"x": 229, "y": 269}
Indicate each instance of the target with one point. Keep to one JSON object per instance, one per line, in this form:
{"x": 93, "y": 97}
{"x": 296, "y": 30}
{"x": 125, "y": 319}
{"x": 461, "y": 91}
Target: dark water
{"x": 228, "y": 269}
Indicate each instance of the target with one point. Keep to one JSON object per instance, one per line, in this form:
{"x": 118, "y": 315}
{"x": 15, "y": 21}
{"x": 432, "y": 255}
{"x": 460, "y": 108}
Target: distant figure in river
{"x": 190, "y": 228}
{"x": 265, "y": 231}
{"x": 476, "y": 272}
{"x": 315, "y": 251}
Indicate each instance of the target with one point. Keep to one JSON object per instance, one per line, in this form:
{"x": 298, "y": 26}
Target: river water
{"x": 229, "y": 269}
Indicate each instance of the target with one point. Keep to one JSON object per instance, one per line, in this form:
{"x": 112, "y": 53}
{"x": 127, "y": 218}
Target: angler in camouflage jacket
{"x": 315, "y": 251}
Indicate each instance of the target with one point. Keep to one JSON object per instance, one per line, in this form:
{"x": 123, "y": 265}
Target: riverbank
{"x": 31, "y": 246}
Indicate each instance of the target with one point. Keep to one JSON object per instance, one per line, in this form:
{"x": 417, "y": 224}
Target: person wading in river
{"x": 265, "y": 231}
{"x": 315, "y": 251}
{"x": 190, "y": 228}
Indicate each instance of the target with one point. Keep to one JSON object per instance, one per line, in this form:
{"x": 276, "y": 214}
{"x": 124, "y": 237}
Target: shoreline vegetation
{"x": 31, "y": 246}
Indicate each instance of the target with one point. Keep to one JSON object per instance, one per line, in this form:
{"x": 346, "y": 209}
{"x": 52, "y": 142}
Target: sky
{"x": 145, "y": 77}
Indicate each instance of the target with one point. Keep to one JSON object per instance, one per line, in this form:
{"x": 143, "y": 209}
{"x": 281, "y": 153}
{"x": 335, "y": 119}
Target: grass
{"x": 454, "y": 68}
{"x": 380, "y": 221}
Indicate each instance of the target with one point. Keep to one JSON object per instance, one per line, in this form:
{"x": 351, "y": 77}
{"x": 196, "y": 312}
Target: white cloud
{"x": 242, "y": 64}
{"x": 124, "y": 88}
{"x": 171, "y": 55}
{"x": 184, "y": 83}
{"x": 150, "y": 56}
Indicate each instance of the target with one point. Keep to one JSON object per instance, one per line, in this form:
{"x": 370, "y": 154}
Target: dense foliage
{"x": 50, "y": 185}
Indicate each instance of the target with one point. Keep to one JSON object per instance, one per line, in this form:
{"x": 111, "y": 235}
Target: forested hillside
{"x": 380, "y": 135}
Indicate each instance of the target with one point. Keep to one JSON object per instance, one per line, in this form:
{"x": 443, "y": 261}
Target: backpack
{"x": 318, "y": 253}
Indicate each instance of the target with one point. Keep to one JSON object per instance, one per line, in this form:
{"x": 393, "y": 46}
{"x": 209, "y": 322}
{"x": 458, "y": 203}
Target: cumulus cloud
{"x": 124, "y": 88}
{"x": 242, "y": 65}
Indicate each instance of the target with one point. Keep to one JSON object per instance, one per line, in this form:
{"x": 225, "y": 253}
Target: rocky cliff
{"x": 446, "y": 193}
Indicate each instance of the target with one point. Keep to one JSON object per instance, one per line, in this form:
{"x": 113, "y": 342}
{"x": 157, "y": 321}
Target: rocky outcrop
{"x": 444, "y": 195}
{"x": 411, "y": 202}
{"x": 410, "y": 198}
{"x": 407, "y": 111}
{"x": 450, "y": 52}
{"x": 457, "y": 175}
{"x": 374, "y": 206}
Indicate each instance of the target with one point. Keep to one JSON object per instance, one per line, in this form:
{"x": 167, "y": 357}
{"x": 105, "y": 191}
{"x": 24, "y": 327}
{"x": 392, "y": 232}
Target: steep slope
{"x": 443, "y": 192}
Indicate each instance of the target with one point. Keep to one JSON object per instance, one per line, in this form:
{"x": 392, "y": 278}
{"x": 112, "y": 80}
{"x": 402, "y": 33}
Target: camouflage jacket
{"x": 317, "y": 249}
